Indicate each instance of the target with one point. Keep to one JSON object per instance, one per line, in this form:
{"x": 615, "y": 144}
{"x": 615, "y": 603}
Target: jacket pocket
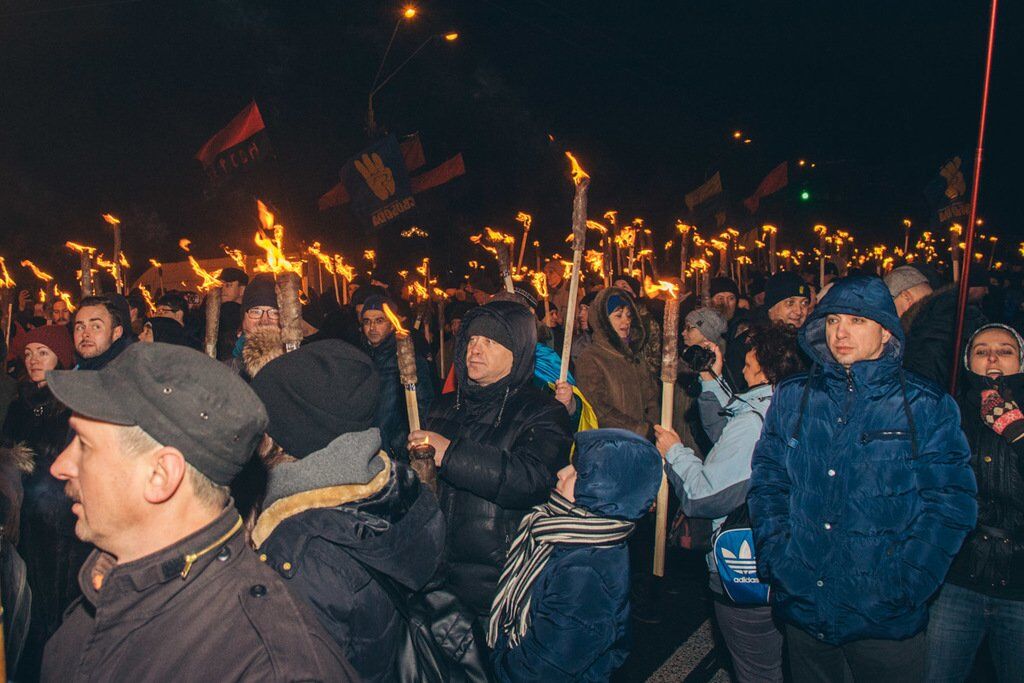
{"x": 886, "y": 444}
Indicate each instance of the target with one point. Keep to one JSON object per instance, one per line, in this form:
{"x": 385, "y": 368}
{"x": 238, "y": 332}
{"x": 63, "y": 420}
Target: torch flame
{"x": 235, "y": 255}
{"x": 210, "y": 280}
{"x": 578, "y": 174}
{"x": 610, "y": 216}
{"x": 5, "y": 278}
{"x": 526, "y": 219}
{"x": 65, "y": 297}
{"x": 422, "y": 268}
{"x": 346, "y": 271}
{"x": 80, "y": 248}
{"x": 683, "y": 228}
{"x": 148, "y": 297}
{"x": 276, "y": 261}
{"x": 123, "y": 260}
{"x": 156, "y": 264}
{"x": 820, "y": 230}
{"x": 110, "y": 219}
{"x": 45, "y": 277}
{"x": 184, "y": 243}
{"x": 324, "y": 259}
{"x": 540, "y": 283}
{"x": 395, "y": 321}
{"x": 769, "y": 229}
{"x": 599, "y": 227}
{"x": 653, "y": 289}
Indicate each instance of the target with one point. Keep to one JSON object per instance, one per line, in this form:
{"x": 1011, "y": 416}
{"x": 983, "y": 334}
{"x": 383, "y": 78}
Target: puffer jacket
{"x": 579, "y": 604}
{"x": 508, "y": 440}
{"x": 992, "y": 558}
{"x": 614, "y": 376}
{"x": 392, "y": 419}
{"x": 319, "y": 539}
{"x": 861, "y": 487}
{"x": 929, "y": 327}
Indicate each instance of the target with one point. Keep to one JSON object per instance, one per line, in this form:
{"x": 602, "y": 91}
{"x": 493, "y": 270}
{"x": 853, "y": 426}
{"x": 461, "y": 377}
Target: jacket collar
{"x": 147, "y": 584}
{"x": 315, "y": 499}
{"x": 754, "y": 400}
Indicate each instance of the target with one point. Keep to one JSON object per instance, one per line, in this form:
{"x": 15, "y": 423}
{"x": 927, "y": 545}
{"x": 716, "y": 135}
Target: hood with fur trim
{"x": 604, "y": 333}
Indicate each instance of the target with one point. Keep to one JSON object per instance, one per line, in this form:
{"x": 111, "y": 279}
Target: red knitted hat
{"x": 54, "y": 337}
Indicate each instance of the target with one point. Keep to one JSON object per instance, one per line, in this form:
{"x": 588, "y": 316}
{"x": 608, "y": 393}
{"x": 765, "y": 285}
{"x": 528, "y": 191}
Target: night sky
{"x": 104, "y": 105}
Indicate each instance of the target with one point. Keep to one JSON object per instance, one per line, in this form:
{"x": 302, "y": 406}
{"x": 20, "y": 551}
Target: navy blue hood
{"x": 618, "y": 473}
{"x": 863, "y": 295}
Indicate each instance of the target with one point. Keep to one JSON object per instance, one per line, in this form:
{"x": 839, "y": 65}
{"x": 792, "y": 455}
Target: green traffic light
{"x": 805, "y": 195}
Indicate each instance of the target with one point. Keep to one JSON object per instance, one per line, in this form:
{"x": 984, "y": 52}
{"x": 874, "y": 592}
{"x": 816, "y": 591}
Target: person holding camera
{"x": 714, "y": 488}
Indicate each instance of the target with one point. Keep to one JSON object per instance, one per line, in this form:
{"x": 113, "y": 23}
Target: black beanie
{"x": 260, "y": 292}
{"x": 317, "y": 393}
{"x": 234, "y": 275}
{"x": 492, "y": 328}
{"x": 784, "y": 285}
{"x": 724, "y": 284}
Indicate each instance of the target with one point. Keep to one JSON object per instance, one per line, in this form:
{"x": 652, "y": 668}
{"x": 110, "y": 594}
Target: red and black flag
{"x": 236, "y": 147}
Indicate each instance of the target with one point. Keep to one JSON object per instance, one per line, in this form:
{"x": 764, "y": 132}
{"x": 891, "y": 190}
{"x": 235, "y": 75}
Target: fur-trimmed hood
{"x": 604, "y": 333}
{"x": 261, "y": 347}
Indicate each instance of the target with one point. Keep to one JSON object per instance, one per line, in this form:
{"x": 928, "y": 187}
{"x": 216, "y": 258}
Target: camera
{"x": 698, "y": 358}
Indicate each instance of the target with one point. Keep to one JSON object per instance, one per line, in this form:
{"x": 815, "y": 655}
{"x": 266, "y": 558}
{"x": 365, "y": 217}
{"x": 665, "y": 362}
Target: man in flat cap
{"x": 172, "y": 591}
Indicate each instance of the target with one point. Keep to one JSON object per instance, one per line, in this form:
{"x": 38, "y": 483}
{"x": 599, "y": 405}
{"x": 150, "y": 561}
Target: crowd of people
{"x": 271, "y": 515}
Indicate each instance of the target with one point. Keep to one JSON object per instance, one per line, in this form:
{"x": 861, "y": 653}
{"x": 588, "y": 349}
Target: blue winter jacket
{"x": 579, "y": 605}
{"x": 861, "y": 490}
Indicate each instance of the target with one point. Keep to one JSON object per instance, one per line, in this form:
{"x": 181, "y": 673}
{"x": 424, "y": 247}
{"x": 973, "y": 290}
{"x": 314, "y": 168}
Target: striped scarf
{"x": 556, "y": 522}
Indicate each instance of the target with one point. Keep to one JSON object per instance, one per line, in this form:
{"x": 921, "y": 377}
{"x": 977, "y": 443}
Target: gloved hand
{"x": 1002, "y": 415}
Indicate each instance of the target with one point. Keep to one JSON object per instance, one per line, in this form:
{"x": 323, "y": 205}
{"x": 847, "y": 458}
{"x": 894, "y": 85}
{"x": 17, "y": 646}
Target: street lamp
{"x": 407, "y": 14}
{"x": 371, "y": 123}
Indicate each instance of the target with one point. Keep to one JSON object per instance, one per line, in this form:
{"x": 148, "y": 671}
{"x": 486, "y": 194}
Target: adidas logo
{"x": 744, "y": 562}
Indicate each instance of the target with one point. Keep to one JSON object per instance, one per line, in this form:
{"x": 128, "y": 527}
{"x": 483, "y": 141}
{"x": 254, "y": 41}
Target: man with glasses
{"x": 259, "y": 311}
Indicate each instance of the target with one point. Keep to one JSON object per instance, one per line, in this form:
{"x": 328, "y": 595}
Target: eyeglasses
{"x": 257, "y": 313}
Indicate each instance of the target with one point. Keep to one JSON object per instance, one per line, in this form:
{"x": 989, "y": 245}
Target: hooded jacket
{"x": 579, "y": 604}
{"x": 319, "y": 529}
{"x": 992, "y": 558}
{"x": 614, "y": 376}
{"x": 861, "y": 490}
{"x": 508, "y": 440}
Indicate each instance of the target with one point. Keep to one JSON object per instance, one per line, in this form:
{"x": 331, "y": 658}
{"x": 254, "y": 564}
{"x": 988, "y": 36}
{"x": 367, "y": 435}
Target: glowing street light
{"x": 451, "y": 37}
{"x": 409, "y": 12}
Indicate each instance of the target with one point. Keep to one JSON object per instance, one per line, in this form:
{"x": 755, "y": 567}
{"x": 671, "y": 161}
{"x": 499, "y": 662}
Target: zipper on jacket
{"x": 191, "y": 558}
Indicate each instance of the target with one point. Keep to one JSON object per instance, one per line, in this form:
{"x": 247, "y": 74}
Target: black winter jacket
{"x": 929, "y": 327}
{"x": 508, "y": 440}
{"x": 317, "y": 539}
{"x": 991, "y": 560}
{"x": 47, "y": 542}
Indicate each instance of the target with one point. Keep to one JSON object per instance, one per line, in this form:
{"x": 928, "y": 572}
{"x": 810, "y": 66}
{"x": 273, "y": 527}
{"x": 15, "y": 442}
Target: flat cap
{"x": 179, "y": 396}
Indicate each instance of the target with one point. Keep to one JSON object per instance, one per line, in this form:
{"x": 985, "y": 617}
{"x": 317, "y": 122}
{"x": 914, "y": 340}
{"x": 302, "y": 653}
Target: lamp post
{"x": 371, "y": 121}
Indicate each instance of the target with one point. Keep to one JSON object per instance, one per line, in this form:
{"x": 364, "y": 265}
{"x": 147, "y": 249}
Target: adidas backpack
{"x": 735, "y": 558}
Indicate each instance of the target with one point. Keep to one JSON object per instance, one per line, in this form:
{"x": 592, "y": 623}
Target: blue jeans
{"x": 959, "y": 620}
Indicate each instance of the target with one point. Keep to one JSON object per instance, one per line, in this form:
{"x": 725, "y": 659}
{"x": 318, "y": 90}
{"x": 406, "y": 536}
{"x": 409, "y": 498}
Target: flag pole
{"x": 961, "y": 302}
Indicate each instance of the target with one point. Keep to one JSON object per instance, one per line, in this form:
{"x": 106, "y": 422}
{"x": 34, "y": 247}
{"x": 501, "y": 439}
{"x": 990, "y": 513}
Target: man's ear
{"x": 168, "y": 471}
{"x": 116, "y": 334}
{"x": 886, "y": 336}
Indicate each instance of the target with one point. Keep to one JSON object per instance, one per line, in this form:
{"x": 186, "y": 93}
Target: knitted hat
{"x": 710, "y": 323}
{"x": 724, "y": 284}
{"x": 615, "y": 302}
{"x": 490, "y": 327}
{"x": 317, "y": 393}
{"x": 903, "y": 278}
{"x": 376, "y": 302}
{"x": 783, "y": 285}
{"x": 54, "y": 337}
{"x": 260, "y": 292}
{"x": 234, "y": 275}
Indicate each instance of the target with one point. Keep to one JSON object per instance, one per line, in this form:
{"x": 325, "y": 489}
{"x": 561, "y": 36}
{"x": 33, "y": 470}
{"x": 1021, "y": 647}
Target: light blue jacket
{"x": 715, "y": 487}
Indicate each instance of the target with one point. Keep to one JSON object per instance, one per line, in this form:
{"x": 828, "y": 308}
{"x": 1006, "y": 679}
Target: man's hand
{"x": 665, "y": 439}
{"x": 439, "y": 443}
{"x": 1002, "y": 415}
{"x": 563, "y": 393}
{"x": 716, "y": 367}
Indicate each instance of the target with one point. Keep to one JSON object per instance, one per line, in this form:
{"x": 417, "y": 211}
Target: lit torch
{"x": 7, "y": 290}
{"x": 581, "y": 181}
{"x": 498, "y": 243}
{"x": 118, "y": 274}
{"x": 822, "y": 232}
{"x": 86, "y": 254}
{"x": 527, "y": 220}
{"x": 213, "y": 288}
{"x": 669, "y": 366}
{"x": 421, "y": 456}
{"x": 771, "y": 231}
{"x": 270, "y": 237}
